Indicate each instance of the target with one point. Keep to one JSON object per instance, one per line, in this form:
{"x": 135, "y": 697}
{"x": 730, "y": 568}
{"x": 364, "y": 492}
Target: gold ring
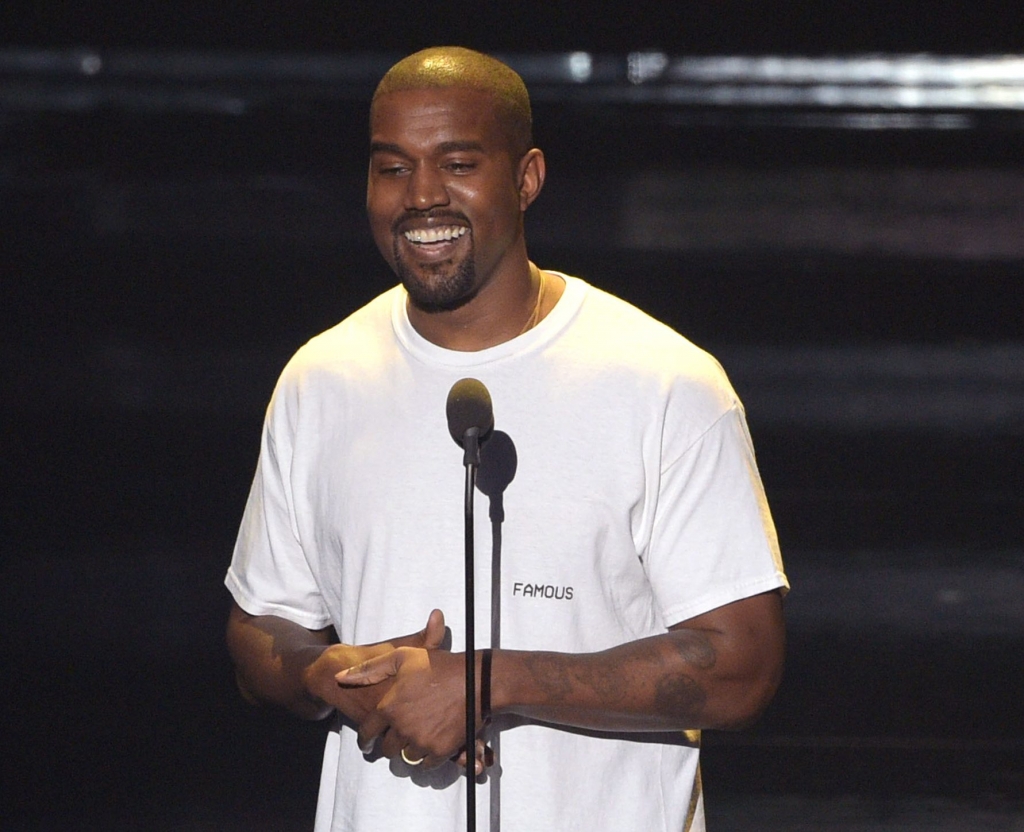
{"x": 411, "y": 762}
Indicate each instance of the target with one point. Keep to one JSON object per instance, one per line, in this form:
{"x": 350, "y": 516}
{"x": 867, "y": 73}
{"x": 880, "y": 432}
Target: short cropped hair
{"x": 455, "y": 66}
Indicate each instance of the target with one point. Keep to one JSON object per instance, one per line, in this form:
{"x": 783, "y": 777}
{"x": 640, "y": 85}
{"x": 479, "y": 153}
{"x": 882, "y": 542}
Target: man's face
{"x": 442, "y": 193}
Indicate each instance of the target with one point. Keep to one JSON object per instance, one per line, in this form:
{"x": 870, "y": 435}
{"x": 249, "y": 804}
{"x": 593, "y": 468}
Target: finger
{"x": 371, "y": 671}
{"x": 431, "y": 762}
{"x": 434, "y": 632}
{"x": 484, "y": 757}
{"x": 431, "y": 636}
{"x": 411, "y": 757}
{"x": 483, "y": 751}
{"x": 369, "y": 729}
{"x": 392, "y": 743}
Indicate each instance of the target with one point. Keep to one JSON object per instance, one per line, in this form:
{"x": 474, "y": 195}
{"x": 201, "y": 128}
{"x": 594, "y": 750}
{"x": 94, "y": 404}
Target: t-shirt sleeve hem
{"x": 256, "y": 606}
{"x": 725, "y": 595}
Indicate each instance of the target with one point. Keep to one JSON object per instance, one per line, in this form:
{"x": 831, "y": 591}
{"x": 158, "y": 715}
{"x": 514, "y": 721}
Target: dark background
{"x": 175, "y": 224}
{"x": 708, "y": 27}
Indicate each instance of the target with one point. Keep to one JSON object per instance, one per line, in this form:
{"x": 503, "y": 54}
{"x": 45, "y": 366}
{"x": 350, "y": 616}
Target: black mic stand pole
{"x": 471, "y": 459}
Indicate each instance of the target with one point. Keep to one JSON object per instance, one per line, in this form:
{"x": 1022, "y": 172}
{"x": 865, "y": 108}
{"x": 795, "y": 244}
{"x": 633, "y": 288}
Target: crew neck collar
{"x": 545, "y": 330}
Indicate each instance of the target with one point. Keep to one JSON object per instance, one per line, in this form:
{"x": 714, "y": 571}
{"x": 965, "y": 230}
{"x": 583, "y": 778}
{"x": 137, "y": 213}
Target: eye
{"x": 459, "y": 166}
{"x": 389, "y": 164}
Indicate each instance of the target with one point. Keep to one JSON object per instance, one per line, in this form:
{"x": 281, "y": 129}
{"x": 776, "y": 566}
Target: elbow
{"x": 751, "y": 700}
{"x": 235, "y": 640}
{"x": 757, "y": 682}
{"x": 244, "y": 690}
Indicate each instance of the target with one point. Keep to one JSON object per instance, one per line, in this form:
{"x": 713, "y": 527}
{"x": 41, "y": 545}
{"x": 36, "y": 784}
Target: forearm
{"x": 637, "y": 687}
{"x": 272, "y": 657}
{"x": 282, "y": 663}
{"x": 698, "y": 675}
{"x": 717, "y": 670}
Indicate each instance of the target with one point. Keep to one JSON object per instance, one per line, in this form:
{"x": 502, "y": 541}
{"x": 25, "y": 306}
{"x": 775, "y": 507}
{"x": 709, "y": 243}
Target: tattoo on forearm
{"x": 549, "y": 674}
{"x": 678, "y": 694}
{"x": 610, "y": 683}
{"x": 675, "y": 690}
{"x": 558, "y": 679}
{"x": 695, "y": 648}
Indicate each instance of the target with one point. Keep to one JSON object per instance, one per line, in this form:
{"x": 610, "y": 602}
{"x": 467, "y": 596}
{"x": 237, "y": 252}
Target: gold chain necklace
{"x": 534, "y": 318}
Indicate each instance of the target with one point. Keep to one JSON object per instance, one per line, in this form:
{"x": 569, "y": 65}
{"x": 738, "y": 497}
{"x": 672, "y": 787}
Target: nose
{"x": 426, "y": 189}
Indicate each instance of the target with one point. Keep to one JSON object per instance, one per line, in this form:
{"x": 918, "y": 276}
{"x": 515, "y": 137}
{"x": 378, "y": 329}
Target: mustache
{"x": 433, "y": 214}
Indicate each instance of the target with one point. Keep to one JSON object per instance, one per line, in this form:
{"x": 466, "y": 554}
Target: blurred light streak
{"x": 232, "y": 81}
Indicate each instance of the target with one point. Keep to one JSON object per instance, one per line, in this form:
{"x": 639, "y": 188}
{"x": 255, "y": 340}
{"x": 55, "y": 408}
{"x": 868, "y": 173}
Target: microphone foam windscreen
{"x": 469, "y": 406}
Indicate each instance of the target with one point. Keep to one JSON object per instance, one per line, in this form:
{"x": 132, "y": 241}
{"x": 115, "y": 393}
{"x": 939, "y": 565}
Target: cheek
{"x": 493, "y": 208}
{"x": 379, "y": 216}
{"x": 379, "y": 221}
{"x": 384, "y": 198}
{"x": 380, "y": 230}
{"x": 501, "y": 217}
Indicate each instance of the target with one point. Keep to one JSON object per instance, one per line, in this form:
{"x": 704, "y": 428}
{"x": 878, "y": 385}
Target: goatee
{"x": 446, "y": 286}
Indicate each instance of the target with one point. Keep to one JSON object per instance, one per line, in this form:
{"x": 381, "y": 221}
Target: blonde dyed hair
{"x": 454, "y": 66}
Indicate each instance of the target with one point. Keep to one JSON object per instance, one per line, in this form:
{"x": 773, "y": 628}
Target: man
{"x": 638, "y": 579}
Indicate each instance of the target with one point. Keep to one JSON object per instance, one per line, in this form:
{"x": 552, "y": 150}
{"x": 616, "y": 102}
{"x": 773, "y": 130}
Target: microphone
{"x": 470, "y": 422}
{"x": 470, "y": 417}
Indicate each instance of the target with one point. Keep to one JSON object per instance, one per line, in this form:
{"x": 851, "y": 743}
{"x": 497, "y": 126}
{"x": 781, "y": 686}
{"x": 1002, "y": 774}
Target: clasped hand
{"x": 423, "y": 711}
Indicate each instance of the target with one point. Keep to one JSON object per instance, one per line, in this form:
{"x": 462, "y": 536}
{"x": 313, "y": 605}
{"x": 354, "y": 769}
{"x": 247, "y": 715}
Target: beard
{"x": 440, "y": 287}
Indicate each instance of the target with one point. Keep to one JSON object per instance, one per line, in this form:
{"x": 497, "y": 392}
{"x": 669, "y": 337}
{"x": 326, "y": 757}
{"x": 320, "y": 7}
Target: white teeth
{"x": 435, "y": 235}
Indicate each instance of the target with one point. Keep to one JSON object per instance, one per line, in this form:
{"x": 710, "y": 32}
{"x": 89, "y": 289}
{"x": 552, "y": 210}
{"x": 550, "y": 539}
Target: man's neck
{"x": 499, "y": 312}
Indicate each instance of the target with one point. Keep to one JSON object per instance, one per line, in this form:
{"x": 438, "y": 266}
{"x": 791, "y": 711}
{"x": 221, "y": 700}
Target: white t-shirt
{"x": 630, "y": 502}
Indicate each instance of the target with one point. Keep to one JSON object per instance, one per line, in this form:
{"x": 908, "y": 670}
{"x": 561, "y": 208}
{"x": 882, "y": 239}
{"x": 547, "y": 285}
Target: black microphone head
{"x": 469, "y": 406}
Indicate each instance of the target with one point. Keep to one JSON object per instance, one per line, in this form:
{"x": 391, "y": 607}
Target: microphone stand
{"x": 471, "y": 459}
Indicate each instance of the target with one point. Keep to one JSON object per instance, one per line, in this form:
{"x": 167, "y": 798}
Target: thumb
{"x": 371, "y": 671}
{"x": 434, "y": 632}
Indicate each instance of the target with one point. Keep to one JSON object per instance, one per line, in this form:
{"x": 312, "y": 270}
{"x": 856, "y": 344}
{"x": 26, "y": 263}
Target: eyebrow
{"x": 385, "y": 147}
{"x": 460, "y": 147}
{"x": 444, "y": 147}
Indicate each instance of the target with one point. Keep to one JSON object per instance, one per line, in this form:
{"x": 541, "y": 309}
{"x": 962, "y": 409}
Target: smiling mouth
{"x": 441, "y": 234}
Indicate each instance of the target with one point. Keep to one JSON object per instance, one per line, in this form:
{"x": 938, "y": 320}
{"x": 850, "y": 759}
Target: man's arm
{"x": 717, "y": 670}
{"x": 282, "y": 663}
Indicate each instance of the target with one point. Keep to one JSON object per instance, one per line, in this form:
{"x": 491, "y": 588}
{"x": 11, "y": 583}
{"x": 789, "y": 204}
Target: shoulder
{"x": 356, "y": 340}
{"x": 336, "y": 359}
{"x": 656, "y": 359}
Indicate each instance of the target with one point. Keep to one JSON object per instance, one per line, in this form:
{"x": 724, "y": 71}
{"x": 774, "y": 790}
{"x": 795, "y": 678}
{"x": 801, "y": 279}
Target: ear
{"x": 531, "y": 173}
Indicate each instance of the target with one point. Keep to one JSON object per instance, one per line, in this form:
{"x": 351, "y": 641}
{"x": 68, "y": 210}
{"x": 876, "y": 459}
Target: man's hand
{"x": 360, "y": 703}
{"x": 278, "y": 662}
{"x": 716, "y": 670}
{"x": 423, "y": 712}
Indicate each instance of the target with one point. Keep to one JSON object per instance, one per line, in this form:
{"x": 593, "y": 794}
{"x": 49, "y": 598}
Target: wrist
{"x": 317, "y": 678}
{"x": 506, "y": 691}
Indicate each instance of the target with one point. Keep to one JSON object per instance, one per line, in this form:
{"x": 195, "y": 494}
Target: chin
{"x": 426, "y": 299}
{"x": 435, "y": 292}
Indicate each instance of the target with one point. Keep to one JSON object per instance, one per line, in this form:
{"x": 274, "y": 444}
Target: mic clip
{"x": 471, "y": 447}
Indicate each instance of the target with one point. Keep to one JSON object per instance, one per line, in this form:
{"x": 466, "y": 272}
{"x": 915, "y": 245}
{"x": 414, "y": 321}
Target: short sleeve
{"x": 713, "y": 540}
{"x": 269, "y": 572}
